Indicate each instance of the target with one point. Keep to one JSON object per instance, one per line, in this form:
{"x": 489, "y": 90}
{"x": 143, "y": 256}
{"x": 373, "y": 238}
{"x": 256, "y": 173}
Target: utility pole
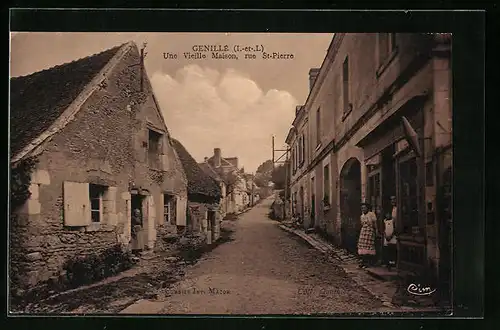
{"x": 285, "y": 163}
{"x": 273, "y": 150}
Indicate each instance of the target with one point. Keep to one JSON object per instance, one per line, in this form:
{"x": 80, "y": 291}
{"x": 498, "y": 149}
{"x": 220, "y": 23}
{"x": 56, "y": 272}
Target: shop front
{"x": 395, "y": 169}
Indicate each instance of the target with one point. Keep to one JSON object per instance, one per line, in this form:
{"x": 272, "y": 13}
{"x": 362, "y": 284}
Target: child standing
{"x": 390, "y": 241}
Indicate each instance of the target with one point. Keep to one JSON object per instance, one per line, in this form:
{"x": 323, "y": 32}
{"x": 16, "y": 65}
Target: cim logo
{"x": 419, "y": 290}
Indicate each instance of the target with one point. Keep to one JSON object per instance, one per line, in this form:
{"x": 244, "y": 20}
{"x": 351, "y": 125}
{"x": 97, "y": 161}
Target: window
{"x": 409, "y": 195}
{"x": 86, "y": 204}
{"x": 303, "y": 148}
{"x": 386, "y": 45}
{"x": 296, "y": 156}
{"x": 96, "y": 193}
{"x": 318, "y": 126}
{"x": 300, "y": 151}
{"x": 345, "y": 86}
{"x": 326, "y": 184}
{"x": 167, "y": 209}
{"x": 154, "y": 139}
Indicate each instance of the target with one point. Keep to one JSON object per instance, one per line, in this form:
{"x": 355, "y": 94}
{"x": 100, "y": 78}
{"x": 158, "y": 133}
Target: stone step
{"x": 383, "y": 273}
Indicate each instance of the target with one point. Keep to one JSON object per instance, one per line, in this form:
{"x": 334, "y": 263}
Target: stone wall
{"x": 103, "y": 145}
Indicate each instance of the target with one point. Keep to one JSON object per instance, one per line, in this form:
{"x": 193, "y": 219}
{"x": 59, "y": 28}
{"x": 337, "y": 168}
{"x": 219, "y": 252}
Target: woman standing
{"x": 366, "y": 241}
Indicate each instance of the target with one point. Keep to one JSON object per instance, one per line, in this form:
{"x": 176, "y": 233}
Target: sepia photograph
{"x": 169, "y": 173}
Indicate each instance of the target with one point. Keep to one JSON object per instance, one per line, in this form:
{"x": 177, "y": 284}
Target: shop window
{"x": 374, "y": 193}
{"x": 409, "y": 195}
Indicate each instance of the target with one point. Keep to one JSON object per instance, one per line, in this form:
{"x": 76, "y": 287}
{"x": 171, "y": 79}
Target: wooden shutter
{"x": 76, "y": 204}
{"x": 181, "y": 210}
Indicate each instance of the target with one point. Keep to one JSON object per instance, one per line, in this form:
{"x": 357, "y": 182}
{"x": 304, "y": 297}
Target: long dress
{"x": 366, "y": 241}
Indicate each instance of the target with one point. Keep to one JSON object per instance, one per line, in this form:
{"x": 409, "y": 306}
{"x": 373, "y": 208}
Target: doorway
{"x": 350, "y": 203}
{"x": 388, "y": 170}
{"x": 137, "y": 218}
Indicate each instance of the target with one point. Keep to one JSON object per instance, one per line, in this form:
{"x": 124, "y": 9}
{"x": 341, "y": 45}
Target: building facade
{"x": 102, "y": 150}
{"x": 368, "y": 86}
{"x": 236, "y": 197}
{"x": 204, "y": 213}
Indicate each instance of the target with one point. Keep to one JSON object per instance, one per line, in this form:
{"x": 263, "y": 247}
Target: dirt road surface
{"x": 264, "y": 270}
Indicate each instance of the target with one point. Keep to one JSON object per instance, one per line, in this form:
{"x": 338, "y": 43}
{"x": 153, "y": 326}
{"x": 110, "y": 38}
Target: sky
{"x": 235, "y": 105}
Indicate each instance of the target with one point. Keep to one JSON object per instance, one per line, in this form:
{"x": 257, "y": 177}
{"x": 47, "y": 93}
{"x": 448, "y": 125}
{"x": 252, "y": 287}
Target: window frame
{"x": 167, "y": 204}
{"x": 99, "y": 190}
{"x": 392, "y": 50}
{"x": 318, "y": 127}
{"x": 327, "y": 185}
{"x": 408, "y": 226}
{"x": 346, "y": 90}
{"x": 156, "y": 162}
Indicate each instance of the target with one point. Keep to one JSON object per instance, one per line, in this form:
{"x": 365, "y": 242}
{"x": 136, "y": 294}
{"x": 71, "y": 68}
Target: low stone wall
{"x": 167, "y": 238}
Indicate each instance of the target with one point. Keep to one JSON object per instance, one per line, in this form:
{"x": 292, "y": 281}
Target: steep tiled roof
{"x": 39, "y": 99}
{"x": 210, "y": 171}
{"x": 226, "y": 162}
{"x": 199, "y": 183}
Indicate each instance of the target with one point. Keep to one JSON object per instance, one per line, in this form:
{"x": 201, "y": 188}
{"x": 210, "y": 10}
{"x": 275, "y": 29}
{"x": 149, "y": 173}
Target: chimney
{"x": 217, "y": 157}
{"x": 206, "y": 159}
{"x": 313, "y": 74}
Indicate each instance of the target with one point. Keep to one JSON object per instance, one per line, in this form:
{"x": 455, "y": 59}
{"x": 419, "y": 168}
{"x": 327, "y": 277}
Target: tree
{"x": 278, "y": 177}
{"x": 264, "y": 173}
{"x": 265, "y": 167}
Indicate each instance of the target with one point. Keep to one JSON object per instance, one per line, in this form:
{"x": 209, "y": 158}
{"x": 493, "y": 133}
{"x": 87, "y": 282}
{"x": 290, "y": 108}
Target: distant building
{"x": 236, "y": 189}
{"x": 204, "y": 195}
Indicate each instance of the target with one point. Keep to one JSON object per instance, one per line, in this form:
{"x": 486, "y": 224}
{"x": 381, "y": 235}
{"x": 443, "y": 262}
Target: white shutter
{"x": 181, "y": 210}
{"x": 76, "y": 204}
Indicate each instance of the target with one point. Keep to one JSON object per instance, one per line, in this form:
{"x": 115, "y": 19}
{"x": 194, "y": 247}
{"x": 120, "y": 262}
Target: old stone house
{"x": 377, "y": 123}
{"x": 227, "y": 168}
{"x": 204, "y": 194}
{"x": 102, "y": 150}
{"x": 222, "y": 185}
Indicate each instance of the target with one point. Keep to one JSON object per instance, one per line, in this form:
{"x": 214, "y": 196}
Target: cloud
{"x": 207, "y": 109}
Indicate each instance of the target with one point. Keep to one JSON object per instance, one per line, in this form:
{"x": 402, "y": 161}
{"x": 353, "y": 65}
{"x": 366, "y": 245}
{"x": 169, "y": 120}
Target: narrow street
{"x": 264, "y": 270}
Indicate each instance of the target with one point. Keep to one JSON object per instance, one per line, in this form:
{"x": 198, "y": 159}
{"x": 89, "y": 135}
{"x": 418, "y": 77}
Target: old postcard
{"x": 230, "y": 173}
